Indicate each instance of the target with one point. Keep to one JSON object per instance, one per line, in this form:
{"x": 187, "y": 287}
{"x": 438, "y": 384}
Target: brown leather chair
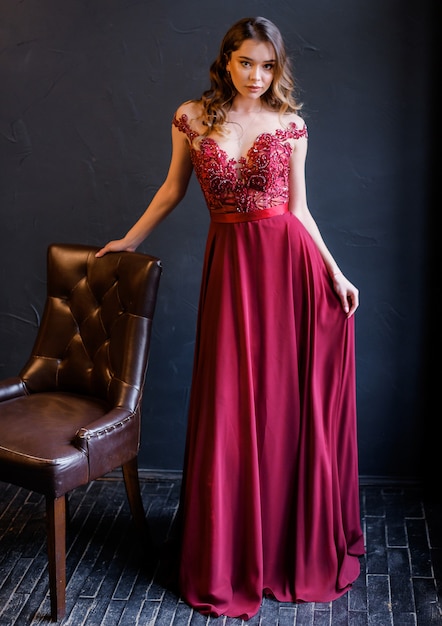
{"x": 73, "y": 413}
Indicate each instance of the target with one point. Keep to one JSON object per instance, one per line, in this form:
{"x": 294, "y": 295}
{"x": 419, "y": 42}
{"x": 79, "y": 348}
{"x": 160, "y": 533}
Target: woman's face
{"x": 251, "y": 68}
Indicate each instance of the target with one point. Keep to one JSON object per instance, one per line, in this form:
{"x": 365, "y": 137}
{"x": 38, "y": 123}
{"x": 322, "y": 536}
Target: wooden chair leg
{"x": 56, "y": 538}
{"x": 132, "y": 484}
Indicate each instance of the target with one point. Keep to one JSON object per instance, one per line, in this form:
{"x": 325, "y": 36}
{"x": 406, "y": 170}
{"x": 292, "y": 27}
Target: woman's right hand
{"x": 117, "y": 245}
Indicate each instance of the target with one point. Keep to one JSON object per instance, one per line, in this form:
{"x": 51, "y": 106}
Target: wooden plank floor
{"x": 112, "y": 581}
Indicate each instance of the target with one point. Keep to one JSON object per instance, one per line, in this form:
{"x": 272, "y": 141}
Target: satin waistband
{"x": 259, "y": 214}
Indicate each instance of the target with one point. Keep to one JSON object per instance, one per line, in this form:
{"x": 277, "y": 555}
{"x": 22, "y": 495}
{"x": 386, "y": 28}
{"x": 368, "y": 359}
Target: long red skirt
{"x": 270, "y": 498}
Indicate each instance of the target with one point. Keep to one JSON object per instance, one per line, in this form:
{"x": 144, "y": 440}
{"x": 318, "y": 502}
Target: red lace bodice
{"x": 255, "y": 182}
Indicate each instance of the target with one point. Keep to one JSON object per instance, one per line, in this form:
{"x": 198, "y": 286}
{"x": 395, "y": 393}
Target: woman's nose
{"x": 255, "y": 73}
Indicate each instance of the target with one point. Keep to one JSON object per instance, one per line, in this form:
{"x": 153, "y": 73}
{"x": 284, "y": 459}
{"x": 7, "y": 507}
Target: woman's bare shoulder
{"x": 293, "y": 118}
{"x": 192, "y": 109}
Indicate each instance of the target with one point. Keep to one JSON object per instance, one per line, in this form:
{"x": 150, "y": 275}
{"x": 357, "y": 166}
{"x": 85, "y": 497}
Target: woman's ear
{"x": 227, "y": 60}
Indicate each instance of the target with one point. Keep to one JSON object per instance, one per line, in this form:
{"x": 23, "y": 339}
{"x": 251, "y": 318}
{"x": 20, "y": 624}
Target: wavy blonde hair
{"x": 280, "y": 96}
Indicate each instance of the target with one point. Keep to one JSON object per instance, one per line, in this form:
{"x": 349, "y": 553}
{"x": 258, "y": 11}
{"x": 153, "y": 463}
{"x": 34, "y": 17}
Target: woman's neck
{"x": 243, "y": 106}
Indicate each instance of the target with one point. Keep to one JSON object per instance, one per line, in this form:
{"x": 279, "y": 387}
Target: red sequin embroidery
{"x": 257, "y": 181}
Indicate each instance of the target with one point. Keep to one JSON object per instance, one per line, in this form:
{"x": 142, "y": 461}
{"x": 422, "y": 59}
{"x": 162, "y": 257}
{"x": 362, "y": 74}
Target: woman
{"x": 270, "y": 484}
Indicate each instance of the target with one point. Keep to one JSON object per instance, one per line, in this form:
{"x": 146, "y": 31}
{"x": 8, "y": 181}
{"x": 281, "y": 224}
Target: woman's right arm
{"x": 164, "y": 201}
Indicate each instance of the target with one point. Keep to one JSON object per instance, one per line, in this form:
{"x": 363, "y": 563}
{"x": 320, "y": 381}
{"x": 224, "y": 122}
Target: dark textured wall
{"x": 88, "y": 90}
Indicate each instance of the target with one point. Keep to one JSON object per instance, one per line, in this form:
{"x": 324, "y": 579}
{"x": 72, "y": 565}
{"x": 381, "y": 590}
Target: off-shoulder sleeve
{"x": 182, "y": 123}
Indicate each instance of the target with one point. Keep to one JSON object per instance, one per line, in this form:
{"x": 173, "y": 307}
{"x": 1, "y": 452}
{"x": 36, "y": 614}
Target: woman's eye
{"x": 269, "y": 67}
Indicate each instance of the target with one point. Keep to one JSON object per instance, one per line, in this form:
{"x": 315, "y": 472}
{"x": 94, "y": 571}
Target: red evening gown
{"x": 270, "y": 498}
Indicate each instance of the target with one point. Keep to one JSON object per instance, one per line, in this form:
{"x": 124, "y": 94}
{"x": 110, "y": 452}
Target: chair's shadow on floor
{"x": 104, "y": 538}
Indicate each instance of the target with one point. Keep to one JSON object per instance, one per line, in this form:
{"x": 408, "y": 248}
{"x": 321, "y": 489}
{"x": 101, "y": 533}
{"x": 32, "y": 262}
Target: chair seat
{"x": 45, "y": 459}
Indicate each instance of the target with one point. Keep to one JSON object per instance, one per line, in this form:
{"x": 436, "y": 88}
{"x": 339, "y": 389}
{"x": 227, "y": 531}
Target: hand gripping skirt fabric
{"x": 270, "y": 498}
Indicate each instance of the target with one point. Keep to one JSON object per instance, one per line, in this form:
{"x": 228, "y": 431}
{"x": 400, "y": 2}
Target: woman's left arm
{"x": 346, "y": 291}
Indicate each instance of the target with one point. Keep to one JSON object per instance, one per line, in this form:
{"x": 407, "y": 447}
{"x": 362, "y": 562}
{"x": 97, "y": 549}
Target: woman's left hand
{"x": 347, "y": 293}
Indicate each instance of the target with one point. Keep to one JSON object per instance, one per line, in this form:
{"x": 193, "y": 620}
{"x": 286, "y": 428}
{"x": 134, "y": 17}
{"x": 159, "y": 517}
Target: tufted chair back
{"x": 98, "y": 314}
{"x": 73, "y": 413}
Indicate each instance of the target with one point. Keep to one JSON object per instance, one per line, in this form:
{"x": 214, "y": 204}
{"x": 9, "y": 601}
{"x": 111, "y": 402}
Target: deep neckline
{"x": 278, "y": 133}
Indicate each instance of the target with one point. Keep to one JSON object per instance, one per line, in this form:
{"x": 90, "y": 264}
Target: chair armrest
{"x": 109, "y": 441}
{"x": 13, "y": 387}
{"x": 114, "y": 419}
